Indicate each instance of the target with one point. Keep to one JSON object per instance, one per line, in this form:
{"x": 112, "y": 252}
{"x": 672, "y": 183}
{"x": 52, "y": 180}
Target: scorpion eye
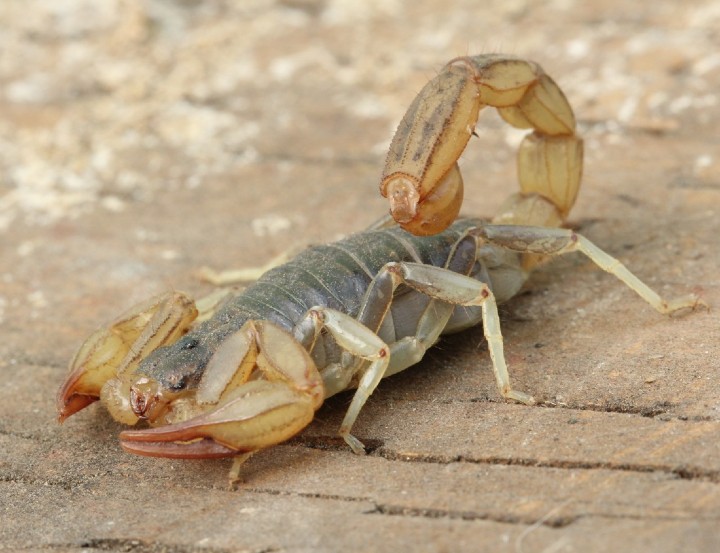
{"x": 190, "y": 343}
{"x": 177, "y": 384}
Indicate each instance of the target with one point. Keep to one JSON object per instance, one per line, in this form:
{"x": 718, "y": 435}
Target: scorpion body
{"x": 336, "y": 276}
{"x": 346, "y": 315}
{"x": 338, "y": 316}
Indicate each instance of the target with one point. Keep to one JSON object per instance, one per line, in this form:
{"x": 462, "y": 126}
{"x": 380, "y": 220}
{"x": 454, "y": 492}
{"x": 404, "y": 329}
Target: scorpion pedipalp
{"x": 252, "y": 417}
{"x": 118, "y": 348}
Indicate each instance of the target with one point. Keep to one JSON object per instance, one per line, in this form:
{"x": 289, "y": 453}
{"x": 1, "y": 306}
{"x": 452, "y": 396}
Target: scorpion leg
{"x": 237, "y": 276}
{"x": 377, "y": 303}
{"x": 359, "y": 341}
{"x": 457, "y": 290}
{"x": 402, "y": 354}
{"x": 547, "y": 241}
{"x": 447, "y": 288}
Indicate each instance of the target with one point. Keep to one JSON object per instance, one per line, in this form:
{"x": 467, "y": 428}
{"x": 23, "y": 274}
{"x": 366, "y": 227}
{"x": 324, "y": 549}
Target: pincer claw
{"x": 115, "y": 351}
{"x": 165, "y": 441}
{"x": 254, "y": 416}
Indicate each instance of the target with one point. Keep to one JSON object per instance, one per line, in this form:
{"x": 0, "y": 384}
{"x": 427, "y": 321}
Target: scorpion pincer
{"x": 345, "y": 315}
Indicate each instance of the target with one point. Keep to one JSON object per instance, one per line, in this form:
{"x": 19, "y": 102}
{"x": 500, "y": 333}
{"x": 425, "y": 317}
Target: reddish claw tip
{"x": 69, "y": 401}
{"x": 73, "y": 405}
{"x": 158, "y": 442}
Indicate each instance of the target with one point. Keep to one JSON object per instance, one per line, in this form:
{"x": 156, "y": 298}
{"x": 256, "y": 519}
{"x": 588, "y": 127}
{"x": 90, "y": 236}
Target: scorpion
{"x": 345, "y": 315}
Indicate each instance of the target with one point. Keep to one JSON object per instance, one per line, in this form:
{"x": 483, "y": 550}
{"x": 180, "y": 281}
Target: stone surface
{"x": 140, "y": 141}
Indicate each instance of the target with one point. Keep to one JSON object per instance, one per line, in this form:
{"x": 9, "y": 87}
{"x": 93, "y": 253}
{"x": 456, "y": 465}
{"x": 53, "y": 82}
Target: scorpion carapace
{"x": 345, "y": 315}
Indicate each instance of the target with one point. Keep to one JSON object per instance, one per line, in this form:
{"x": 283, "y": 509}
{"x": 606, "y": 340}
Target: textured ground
{"x": 140, "y": 141}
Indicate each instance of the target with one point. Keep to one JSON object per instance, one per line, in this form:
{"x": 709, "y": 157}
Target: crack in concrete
{"x": 684, "y": 472}
{"x": 386, "y": 509}
{"x": 129, "y": 545}
{"x": 22, "y": 435}
{"x": 310, "y": 495}
{"x": 552, "y": 522}
{"x": 396, "y": 510}
{"x": 67, "y": 484}
{"x": 647, "y": 411}
{"x": 376, "y": 448}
